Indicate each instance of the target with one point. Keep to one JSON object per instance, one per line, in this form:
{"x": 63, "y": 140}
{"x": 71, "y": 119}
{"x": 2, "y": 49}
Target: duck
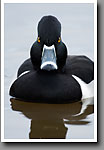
{"x": 50, "y": 75}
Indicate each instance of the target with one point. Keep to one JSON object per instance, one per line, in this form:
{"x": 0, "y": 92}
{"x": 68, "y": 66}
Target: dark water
{"x": 49, "y": 121}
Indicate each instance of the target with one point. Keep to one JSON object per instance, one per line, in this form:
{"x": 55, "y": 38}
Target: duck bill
{"x": 48, "y": 60}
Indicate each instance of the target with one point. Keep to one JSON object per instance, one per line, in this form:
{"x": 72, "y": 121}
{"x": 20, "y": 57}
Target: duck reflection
{"x": 48, "y": 120}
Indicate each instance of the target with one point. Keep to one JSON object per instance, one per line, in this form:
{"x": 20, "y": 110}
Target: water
{"x": 33, "y": 120}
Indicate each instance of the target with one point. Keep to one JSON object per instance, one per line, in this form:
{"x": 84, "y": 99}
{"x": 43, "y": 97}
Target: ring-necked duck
{"x": 49, "y": 75}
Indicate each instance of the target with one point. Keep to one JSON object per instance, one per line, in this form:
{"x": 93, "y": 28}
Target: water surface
{"x": 33, "y": 120}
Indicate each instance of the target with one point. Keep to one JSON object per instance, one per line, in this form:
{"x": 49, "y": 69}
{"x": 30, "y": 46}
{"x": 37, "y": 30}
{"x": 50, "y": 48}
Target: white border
{"x": 2, "y": 71}
{"x": 48, "y": 1}
{"x": 95, "y": 70}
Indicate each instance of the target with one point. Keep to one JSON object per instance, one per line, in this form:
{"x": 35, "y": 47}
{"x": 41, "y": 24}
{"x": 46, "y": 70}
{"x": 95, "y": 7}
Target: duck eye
{"x": 59, "y": 40}
{"x": 38, "y": 39}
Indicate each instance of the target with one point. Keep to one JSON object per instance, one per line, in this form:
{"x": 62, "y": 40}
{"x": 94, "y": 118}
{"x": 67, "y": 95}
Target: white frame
{"x": 95, "y": 71}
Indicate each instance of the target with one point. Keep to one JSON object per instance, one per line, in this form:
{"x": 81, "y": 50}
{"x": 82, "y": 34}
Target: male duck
{"x": 49, "y": 75}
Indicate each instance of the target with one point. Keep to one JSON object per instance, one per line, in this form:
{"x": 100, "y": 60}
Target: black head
{"x": 49, "y": 40}
{"x": 49, "y": 30}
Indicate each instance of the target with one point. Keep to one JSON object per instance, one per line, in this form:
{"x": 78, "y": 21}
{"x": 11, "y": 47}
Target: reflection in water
{"x": 48, "y": 120}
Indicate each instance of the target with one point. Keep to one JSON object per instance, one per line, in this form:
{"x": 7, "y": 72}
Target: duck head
{"x": 48, "y": 52}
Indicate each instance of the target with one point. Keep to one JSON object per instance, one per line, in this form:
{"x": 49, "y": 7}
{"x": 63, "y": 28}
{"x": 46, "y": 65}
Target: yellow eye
{"x": 59, "y": 40}
{"x": 38, "y": 39}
